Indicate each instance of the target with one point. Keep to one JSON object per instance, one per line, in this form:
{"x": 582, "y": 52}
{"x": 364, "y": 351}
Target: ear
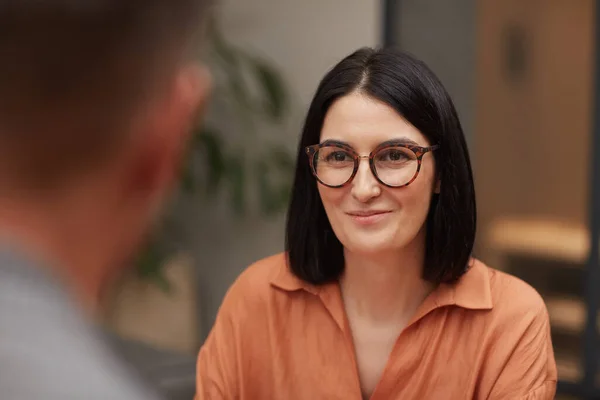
{"x": 162, "y": 135}
{"x": 191, "y": 92}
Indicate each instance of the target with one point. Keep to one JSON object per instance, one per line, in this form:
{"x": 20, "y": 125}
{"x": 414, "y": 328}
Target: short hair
{"x": 72, "y": 71}
{"x": 407, "y": 85}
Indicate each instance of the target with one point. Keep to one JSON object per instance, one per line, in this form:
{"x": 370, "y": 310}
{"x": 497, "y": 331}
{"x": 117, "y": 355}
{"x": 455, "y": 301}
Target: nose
{"x": 364, "y": 185}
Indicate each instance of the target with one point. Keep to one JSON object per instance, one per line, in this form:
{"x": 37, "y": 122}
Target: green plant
{"x": 232, "y": 157}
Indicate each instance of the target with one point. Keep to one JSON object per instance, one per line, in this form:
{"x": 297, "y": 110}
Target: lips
{"x": 370, "y": 217}
{"x": 367, "y": 213}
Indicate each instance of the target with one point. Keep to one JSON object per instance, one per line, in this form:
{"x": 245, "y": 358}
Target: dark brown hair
{"x": 71, "y": 71}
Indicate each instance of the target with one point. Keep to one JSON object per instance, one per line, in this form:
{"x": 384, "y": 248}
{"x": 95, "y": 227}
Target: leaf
{"x": 231, "y": 61}
{"x": 212, "y": 146}
{"x": 224, "y": 168}
{"x": 264, "y": 187}
{"x": 271, "y": 83}
{"x": 220, "y": 46}
{"x": 281, "y": 196}
{"x": 274, "y": 177}
{"x": 150, "y": 265}
{"x": 188, "y": 178}
{"x": 236, "y": 176}
{"x": 283, "y": 159}
{"x": 284, "y": 163}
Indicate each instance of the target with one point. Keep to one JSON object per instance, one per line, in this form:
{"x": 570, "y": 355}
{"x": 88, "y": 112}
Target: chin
{"x": 371, "y": 246}
{"x": 376, "y": 242}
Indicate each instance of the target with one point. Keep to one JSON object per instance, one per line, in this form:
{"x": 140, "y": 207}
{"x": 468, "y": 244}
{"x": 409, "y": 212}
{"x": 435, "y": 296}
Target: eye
{"x": 338, "y": 156}
{"x": 335, "y": 156}
{"x": 395, "y": 155}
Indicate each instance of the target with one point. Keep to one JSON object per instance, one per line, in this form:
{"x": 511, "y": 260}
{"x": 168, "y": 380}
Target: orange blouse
{"x": 276, "y": 337}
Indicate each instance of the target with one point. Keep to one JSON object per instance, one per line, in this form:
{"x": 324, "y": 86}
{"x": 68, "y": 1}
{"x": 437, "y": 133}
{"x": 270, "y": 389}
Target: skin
{"x": 382, "y": 285}
{"x": 87, "y": 230}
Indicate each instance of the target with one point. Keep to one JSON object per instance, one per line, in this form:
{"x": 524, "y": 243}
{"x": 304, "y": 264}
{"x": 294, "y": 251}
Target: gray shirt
{"x": 48, "y": 349}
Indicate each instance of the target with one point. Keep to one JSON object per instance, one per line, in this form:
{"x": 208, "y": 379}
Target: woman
{"x": 377, "y": 296}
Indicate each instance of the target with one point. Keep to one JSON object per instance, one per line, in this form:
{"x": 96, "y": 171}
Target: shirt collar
{"x": 284, "y": 279}
{"x": 472, "y": 291}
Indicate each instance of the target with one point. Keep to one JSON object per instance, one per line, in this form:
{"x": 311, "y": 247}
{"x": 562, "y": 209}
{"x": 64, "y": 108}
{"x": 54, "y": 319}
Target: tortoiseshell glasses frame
{"x": 418, "y": 151}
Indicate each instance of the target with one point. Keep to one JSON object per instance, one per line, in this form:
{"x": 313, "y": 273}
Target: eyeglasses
{"x": 393, "y": 164}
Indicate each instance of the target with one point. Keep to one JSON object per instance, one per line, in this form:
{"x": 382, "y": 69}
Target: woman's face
{"x": 367, "y": 216}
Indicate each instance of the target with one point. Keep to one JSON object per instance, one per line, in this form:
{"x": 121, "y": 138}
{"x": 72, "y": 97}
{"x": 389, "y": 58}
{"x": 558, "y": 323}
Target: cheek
{"x": 415, "y": 199}
{"x": 333, "y": 201}
{"x": 331, "y": 197}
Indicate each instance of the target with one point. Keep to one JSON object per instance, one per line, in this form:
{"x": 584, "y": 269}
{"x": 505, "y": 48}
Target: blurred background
{"x": 523, "y": 75}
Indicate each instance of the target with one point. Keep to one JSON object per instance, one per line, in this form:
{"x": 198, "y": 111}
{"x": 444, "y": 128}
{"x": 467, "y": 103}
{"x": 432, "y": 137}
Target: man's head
{"x": 97, "y": 100}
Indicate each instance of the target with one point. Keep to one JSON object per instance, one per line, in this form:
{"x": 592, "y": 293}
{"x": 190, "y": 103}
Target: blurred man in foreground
{"x": 97, "y": 98}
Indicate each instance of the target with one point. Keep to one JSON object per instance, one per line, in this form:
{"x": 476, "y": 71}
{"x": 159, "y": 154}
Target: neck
{"x": 56, "y": 238}
{"x": 387, "y": 288}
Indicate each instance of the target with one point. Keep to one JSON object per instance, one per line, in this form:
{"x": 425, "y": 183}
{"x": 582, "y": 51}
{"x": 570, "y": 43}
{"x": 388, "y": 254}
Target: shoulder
{"x": 258, "y": 284}
{"x": 512, "y": 296}
{"x": 85, "y": 367}
{"x": 258, "y": 277}
{"x": 516, "y": 311}
{"x": 56, "y": 353}
{"x": 517, "y": 328}
{"x": 252, "y": 307}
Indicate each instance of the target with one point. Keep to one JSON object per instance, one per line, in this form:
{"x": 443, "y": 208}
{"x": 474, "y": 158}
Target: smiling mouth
{"x": 366, "y": 214}
{"x": 368, "y": 218}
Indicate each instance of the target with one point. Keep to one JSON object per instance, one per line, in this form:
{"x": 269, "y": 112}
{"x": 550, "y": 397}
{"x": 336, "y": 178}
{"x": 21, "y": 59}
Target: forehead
{"x": 364, "y": 123}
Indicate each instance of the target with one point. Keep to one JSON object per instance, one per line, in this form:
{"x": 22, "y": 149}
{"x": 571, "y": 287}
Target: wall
{"x": 442, "y": 34}
{"x": 528, "y": 134}
{"x": 304, "y": 39}
{"x": 534, "y": 127}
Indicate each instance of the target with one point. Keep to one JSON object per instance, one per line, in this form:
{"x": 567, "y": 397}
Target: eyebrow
{"x": 391, "y": 142}
{"x": 400, "y": 141}
{"x": 336, "y": 142}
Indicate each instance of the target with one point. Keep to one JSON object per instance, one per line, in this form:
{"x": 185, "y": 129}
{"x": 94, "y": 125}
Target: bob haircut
{"x": 314, "y": 253}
